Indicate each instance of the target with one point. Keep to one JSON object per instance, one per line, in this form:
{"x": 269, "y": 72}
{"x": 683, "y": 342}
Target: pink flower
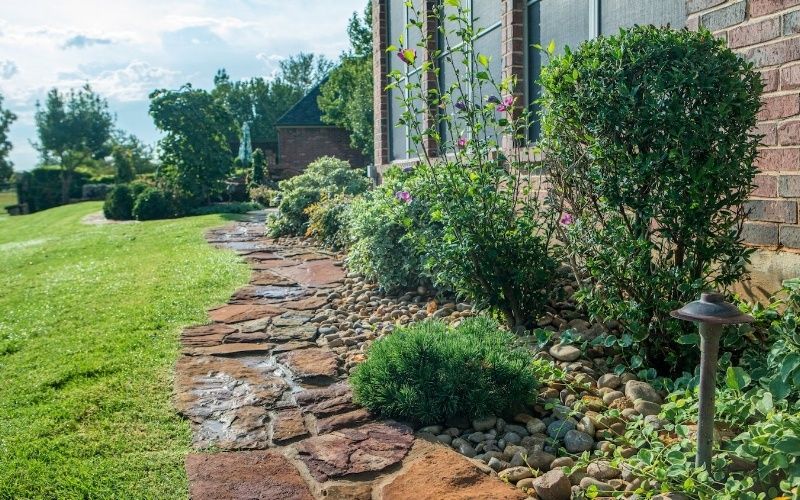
{"x": 408, "y": 56}
{"x": 462, "y": 142}
{"x": 403, "y": 196}
{"x": 508, "y": 101}
{"x": 567, "y": 219}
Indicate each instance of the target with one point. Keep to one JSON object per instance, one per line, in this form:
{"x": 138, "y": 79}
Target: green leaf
{"x": 690, "y": 339}
{"x": 483, "y": 60}
{"x": 790, "y": 364}
{"x": 551, "y": 49}
{"x": 789, "y": 445}
{"x": 736, "y": 378}
{"x": 453, "y": 3}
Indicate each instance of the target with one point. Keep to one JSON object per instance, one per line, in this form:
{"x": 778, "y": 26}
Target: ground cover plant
{"x": 649, "y": 145}
{"x": 427, "y": 372}
{"x": 88, "y": 340}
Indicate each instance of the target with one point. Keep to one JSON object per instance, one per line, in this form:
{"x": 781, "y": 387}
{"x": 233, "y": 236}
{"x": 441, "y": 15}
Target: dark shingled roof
{"x": 305, "y": 113}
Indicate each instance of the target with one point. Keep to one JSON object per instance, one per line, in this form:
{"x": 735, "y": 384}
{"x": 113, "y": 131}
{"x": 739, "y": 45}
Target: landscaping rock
{"x": 641, "y": 390}
{"x": 514, "y": 474}
{"x": 609, "y": 380}
{"x": 577, "y": 442}
{"x": 535, "y": 426}
{"x": 559, "y": 428}
{"x": 552, "y": 485}
{"x": 602, "y": 470}
{"x": 484, "y": 424}
{"x": 565, "y": 352}
{"x": 646, "y": 407}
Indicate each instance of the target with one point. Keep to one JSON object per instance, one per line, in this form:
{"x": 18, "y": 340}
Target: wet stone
{"x": 369, "y": 448}
{"x": 305, "y": 333}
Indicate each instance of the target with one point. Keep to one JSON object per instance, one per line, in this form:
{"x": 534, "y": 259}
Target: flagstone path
{"x": 270, "y": 408}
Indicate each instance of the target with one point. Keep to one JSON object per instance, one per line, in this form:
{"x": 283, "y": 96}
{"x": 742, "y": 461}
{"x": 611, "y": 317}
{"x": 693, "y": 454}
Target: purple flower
{"x": 407, "y": 55}
{"x": 508, "y": 101}
{"x": 567, "y": 219}
{"x": 493, "y": 99}
{"x": 461, "y": 105}
{"x": 462, "y": 142}
{"x": 403, "y": 196}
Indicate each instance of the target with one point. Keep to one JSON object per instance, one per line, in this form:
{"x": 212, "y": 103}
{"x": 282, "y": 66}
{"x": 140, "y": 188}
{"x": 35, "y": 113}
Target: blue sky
{"x": 126, "y": 48}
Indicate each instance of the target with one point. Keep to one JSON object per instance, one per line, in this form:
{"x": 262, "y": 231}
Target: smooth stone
{"x": 467, "y": 450}
{"x": 497, "y": 464}
{"x": 552, "y": 485}
{"x": 562, "y": 462}
{"x": 612, "y": 396}
{"x": 444, "y": 438}
{"x": 600, "y": 485}
{"x": 484, "y": 424}
{"x": 586, "y": 425}
{"x": 609, "y": 380}
{"x": 559, "y": 428}
{"x": 535, "y": 426}
{"x": 642, "y": 390}
{"x": 512, "y": 438}
{"x": 577, "y": 442}
{"x": 646, "y": 408}
{"x": 565, "y": 352}
{"x": 514, "y": 474}
{"x": 602, "y": 470}
{"x": 540, "y": 460}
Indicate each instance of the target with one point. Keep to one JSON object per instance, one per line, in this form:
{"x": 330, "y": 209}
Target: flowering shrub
{"x": 383, "y": 228}
{"x": 427, "y": 373}
{"x": 328, "y": 220}
{"x": 493, "y": 246}
{"x": 326, "y": 175}
{"x": 649, "y": 145}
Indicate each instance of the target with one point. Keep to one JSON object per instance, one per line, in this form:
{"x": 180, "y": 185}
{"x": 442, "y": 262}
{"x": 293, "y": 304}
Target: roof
{"x": 305, "y": 113}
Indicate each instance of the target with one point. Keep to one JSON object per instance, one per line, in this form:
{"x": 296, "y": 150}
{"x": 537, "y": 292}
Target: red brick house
{"x": 303, "y": 137}
{"x": 765, "y": 32}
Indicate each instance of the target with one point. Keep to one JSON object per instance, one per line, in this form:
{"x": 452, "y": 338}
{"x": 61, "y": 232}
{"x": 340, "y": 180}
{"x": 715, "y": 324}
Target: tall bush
{"x": 325, "y": 175}
{"x": 119, "y": 203}
{"x": 648, "y": 137}
{"x": 494, "y": 246}
{"x": 258, "y": 170}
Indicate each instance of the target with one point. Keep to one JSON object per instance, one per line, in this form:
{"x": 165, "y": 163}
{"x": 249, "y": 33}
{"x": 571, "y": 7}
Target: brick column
{"x": 767, "y": 33}
{"x": 380, "y": 67}
{"x": 512, "y": 49}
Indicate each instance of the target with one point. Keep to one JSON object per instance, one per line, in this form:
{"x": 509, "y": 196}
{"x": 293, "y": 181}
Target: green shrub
{"x": 428, "y": 372}
{"x": 40, "y": 188}
{"x": 328, "y": 220}
{"x": 648, "y": 140}
{"x": 153, "y": 204}
{"x": 264, "y": 195}
{"x": 325, "y": 175}
{"x": 119, "y": 203}
{"x": 384, "y": 235}
{"x": 95, "y": 191}
{"x": 258, "y": 173}
{"x": 493, "y": 240}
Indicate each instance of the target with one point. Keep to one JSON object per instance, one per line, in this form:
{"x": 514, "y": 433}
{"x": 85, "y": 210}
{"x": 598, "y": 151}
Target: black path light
{"x": 712, "y": 313}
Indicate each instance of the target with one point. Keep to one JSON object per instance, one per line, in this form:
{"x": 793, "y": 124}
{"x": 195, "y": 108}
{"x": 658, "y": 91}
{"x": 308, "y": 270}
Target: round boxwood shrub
{"x": 153, "y": 204}
{"x": 119, "y": 203}
{"x": 648, "y": 138}
{"x": 428, "y": 372}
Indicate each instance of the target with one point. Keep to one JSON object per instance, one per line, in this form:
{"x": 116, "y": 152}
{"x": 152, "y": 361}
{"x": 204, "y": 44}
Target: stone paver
{"x": 261, "y": 378}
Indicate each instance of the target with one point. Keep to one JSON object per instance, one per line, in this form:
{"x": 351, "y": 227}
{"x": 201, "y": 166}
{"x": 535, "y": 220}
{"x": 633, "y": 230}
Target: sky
{"x": 127, "y": 48}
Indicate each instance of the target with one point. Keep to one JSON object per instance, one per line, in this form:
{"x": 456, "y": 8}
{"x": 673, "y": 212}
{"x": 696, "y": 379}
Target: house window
{"x": 485, "y": 19}
{"x": 570, "y": 22}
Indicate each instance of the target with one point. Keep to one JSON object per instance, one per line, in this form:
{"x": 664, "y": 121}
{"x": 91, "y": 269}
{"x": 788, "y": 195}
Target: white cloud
{"x": 83, "y": 41}
{"x": 8, "y": 69}
{"x": 133, "y": 82}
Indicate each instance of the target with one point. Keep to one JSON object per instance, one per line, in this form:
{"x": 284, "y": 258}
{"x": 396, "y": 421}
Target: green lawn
{"x": 7, "y": 198}
{"x": 89, "y": 324}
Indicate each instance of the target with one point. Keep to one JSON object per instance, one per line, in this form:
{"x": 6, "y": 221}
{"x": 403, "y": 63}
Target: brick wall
{"x": 299, "y": 146}
{"x": 767, "y": 33}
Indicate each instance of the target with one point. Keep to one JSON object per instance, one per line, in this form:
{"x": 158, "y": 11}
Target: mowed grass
{"x": 7, "y": 198}
{"x": 89, "y": 325}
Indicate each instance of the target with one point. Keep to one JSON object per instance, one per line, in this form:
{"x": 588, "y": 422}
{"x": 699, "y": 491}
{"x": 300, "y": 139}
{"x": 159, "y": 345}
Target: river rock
{"x": 552, "y": 485}
{"x": 565, "y": 352}
{"x": 635, "y": 389}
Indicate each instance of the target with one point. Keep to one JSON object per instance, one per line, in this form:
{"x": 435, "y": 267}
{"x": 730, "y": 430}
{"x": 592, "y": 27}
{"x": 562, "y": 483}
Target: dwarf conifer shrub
{"x": 648, "y": 137}
{"x": 119, "y": 203}
{"x": 428, "y": 372}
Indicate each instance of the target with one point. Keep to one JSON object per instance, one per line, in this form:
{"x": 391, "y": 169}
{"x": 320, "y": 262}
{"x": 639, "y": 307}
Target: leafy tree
{"x": 73, "y": 128}
{"x": 141, "y": 155}
{"x": 259, "y": 171}
{"x": 346, "y": 98}
{"x": 6, "y": 166}
{"x": 195, "y": 153}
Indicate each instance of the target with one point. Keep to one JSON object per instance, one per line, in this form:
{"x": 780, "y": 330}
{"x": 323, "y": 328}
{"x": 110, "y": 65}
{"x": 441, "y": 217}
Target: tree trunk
{"x": 66, "y": 184}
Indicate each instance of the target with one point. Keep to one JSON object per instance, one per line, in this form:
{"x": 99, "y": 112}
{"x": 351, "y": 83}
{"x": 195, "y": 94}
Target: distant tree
{"x": 261, "y": 102}
{"x": 130, "y": 156}
{"x": 195, "y": 152}
{"x": 6, "y": 166}
{"x": 258, "y": 173}
{"x": 73, "y": 129}
{"x": 346, "y": 98}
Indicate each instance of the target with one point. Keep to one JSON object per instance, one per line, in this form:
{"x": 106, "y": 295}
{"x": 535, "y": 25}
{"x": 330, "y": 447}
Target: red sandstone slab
{"x": 311, "y": 363}
{"x": 205, "y": 335}
{"x": 306, "y": 304}
{"x": 244, "y": 475}
{"x": 235, "y": 313}
{"x": 442, "y": 474}
{"x": 349, "y": 419}
{"x": 264, "y": 278}
{"x": 288, "y": 425}
{"x": 238, "y": 349}
{"x": 314, "y": 273}
{"x": 326, "y": 401}
{"x": 369, "y": 448}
